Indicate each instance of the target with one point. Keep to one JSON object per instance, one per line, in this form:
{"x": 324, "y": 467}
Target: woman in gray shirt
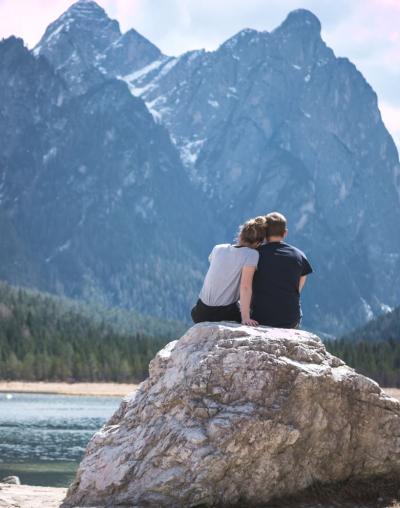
{"x": 230, "y": 276}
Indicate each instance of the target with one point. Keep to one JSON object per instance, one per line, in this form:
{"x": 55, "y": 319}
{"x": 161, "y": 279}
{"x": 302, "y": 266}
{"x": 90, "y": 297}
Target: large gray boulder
{"x": 233, "y": 414}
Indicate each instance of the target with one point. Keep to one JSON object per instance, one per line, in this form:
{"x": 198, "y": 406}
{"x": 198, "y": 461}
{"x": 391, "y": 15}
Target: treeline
{"x": 378, "y": 360}
{"x": 384, "y": 327}
{"x": 43, "y": 337}
{"x": 374, "y": 349}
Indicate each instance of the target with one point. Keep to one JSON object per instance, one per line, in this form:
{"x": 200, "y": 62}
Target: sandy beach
{"x": 393, "y": 392}
{"x": 26, "y": 496}
{"x": 96, "y": 389}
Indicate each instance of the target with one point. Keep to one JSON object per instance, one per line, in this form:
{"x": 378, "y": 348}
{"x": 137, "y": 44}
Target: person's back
{"x": 222, "y": 282}
{"x": 230, "y": 277}
{"x": 280, "y": 276}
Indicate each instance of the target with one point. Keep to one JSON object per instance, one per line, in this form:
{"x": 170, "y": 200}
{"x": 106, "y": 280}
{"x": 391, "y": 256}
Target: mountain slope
{"x": 95, "y": 192}
{"x": 276, "y": 121}
{"x": 385, "y": 327}
{"x": 103, "y": 200}
{"x": 129, "y": 53}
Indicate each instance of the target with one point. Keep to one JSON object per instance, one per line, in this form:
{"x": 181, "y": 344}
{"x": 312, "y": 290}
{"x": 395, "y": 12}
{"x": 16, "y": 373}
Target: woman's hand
{"x": 250, "y": 322}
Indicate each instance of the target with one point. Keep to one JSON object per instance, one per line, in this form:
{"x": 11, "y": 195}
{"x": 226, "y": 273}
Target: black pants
{"x": 202, "y": 312}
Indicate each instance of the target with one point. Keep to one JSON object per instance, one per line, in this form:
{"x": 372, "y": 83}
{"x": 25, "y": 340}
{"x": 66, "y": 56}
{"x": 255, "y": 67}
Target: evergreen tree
{"x": 43, "y": 337}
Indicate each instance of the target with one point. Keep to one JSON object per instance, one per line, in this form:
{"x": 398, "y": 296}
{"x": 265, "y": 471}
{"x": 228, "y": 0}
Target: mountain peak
{"x": 86, "y": 7}
{"x": 12, "y": 41}
{"x": 244, "y": 36}
{"x": 301, "y": 19}
{"x": 87, "y": 15}
{"x": 129, "y": 53}
{"x": 76, "y": 41}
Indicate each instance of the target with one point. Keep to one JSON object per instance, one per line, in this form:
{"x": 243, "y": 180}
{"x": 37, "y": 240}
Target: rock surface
{"x": 11, "y": 480}
{"x": 28, "y": 496}
{"x": 232, "y": 414}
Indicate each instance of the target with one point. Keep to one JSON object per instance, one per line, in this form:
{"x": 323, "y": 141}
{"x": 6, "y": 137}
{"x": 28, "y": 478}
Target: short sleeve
{"x": 252, "y": 258}
{"x": 306, "y": 267}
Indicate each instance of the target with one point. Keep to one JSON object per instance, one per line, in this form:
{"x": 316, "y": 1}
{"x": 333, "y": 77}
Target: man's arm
{"x": 302, "y": 281}
{"x": 246, "y": 289}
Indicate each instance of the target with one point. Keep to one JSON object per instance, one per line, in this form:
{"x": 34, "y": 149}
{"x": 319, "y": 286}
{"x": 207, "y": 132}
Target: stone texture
{"x": 28, "y": 496}
{"x": 12, "y": 480}
{"x": 232, "y": 414}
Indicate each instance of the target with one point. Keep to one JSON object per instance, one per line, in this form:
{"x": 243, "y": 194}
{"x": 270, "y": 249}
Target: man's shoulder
{"x": 296, "y": 250}
{"x": 266, "y": 248}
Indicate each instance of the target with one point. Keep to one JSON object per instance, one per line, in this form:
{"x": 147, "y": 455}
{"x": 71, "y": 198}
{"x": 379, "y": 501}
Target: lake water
{"x": 43, "y": 437}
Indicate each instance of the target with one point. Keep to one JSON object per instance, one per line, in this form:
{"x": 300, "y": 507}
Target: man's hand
{"x": 250, "y": 322}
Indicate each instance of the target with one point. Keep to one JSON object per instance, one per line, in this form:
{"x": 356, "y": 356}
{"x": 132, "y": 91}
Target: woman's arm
{"x": 302, "y": 282}
{"x": 246, "y": 288}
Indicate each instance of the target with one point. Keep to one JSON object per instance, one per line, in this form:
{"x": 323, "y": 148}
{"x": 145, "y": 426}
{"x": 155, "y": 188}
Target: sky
{"x": 365, "y": 31}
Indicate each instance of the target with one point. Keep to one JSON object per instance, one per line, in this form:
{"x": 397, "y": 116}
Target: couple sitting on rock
{"x": 256, "y": 281}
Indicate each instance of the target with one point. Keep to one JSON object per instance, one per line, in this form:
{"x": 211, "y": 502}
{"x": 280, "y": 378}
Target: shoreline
{"x": 393, "y": 392}
{"x": 92, "y": 389}
{"x": 63, "y": 388}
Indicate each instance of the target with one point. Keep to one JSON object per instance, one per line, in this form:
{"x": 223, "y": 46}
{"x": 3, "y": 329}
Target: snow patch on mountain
{"x": 190, "y": 150}
{"x": 144, "y": 71}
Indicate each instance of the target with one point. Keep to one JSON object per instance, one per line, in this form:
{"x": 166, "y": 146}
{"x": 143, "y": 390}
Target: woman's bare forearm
{"x": 246, "y": 291}
{"x": 245, "y": 299}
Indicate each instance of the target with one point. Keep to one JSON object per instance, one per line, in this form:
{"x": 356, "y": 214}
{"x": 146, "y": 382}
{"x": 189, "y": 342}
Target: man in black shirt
{"x": 280, "y": 276}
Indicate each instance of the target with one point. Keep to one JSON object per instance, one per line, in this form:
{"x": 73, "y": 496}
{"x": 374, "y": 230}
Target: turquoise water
{"x": 43, "y": 437}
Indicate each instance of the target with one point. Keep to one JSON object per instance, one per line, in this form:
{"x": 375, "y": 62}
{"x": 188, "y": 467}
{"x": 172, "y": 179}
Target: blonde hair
{"x": 252, "y": 231}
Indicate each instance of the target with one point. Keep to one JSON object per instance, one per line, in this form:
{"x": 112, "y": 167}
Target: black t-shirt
{"x": 276, "y": 296}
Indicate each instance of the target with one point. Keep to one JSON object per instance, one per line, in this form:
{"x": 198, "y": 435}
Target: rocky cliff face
{"x": 74, "y": 42}
{"x": 84, "y": 45}
{"x": 232, "y": 415}
{"x": 276, "y": 121}
{"x": 88, "y": 183}
{"x": 267, "y": 121}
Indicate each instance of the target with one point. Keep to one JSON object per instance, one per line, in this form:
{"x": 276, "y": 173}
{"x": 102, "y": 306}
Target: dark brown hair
{"x": 252, "y": 231}
{"x": 276, "y": 224}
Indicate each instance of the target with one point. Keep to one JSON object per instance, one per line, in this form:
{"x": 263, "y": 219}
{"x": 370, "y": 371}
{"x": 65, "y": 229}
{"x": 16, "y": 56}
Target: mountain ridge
{"x": 93, "y": 179}
{"x": 269, "y": 120}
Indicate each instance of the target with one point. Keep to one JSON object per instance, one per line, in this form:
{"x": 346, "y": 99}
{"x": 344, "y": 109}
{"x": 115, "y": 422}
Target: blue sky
{"x": 365, "y": 31}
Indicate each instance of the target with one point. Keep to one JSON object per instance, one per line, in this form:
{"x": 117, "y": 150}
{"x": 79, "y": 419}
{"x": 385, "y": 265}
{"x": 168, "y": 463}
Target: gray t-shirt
{"x": 222, "y": 283}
